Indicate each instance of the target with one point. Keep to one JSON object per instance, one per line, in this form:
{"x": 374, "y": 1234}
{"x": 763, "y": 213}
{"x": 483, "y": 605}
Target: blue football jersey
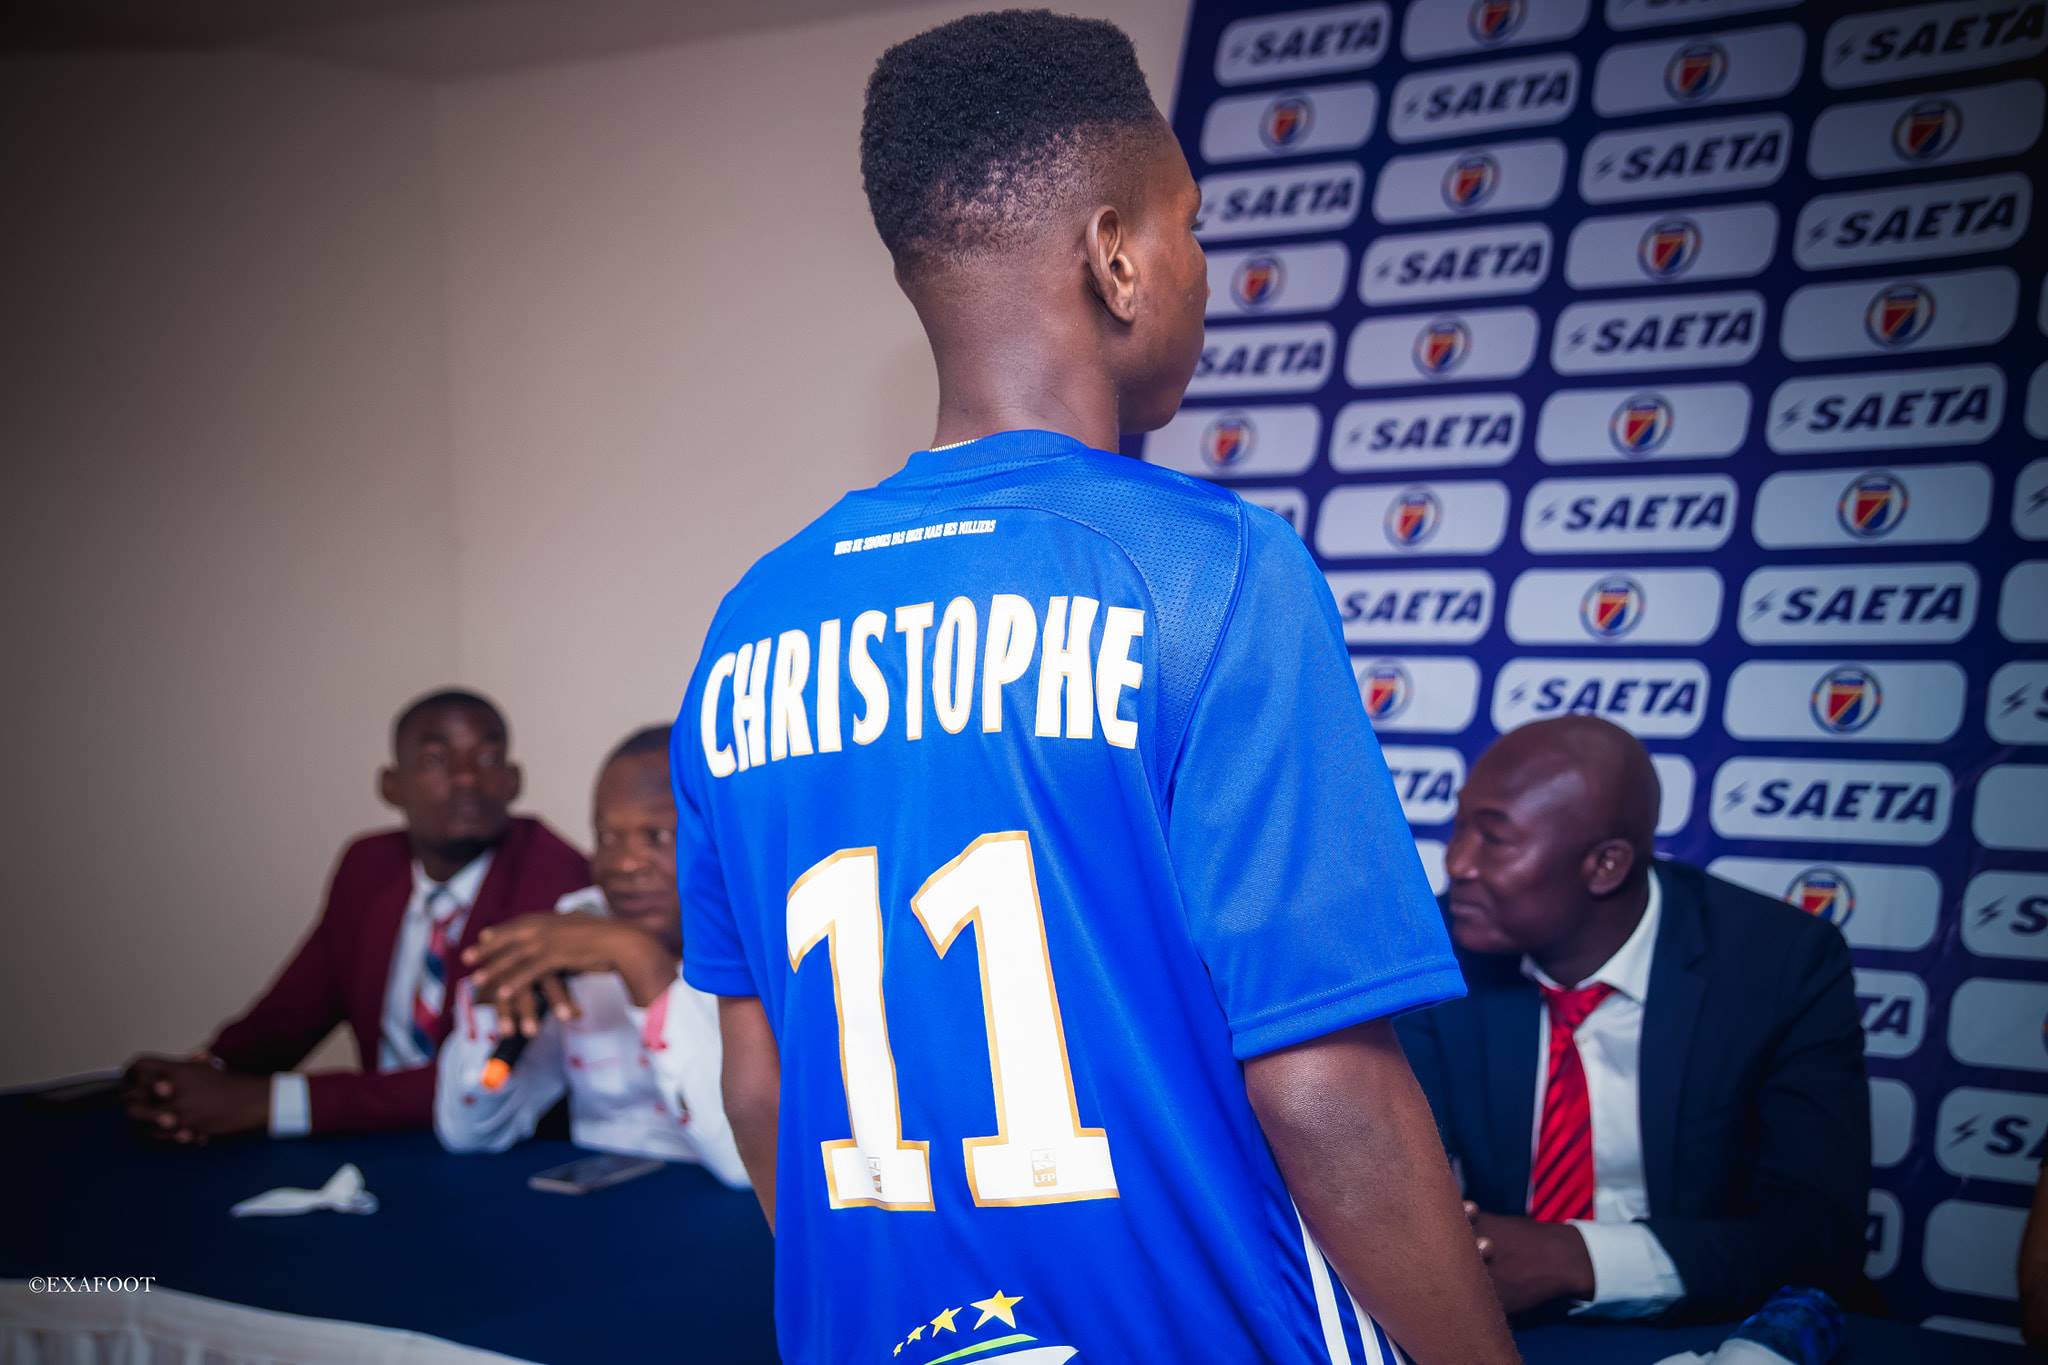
{"x": 1031, "y": 792}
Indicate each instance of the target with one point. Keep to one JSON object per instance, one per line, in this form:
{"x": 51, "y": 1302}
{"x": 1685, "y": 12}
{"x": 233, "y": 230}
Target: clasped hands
{"x": 1531, "y": 1263}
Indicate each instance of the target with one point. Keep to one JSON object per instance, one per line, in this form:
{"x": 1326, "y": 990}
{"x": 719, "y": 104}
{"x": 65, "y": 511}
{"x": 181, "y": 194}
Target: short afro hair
{"x": 652, "y": 739}
{"x": 975, "y": 131}
{"x": 417, "y": 711}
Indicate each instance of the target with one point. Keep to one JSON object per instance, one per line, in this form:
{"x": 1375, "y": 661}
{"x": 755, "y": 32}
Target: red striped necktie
{"x": 1561, "y": 1186}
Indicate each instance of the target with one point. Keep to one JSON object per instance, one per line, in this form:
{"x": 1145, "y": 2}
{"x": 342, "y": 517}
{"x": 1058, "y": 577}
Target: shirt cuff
{"x": 291, "y": 1105}
{"x": 1633, "y": 1276}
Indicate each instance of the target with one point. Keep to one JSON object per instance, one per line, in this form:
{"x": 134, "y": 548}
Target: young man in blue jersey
{"x": 1031, "y": 830}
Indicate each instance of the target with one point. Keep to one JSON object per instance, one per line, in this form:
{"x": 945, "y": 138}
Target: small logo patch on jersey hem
{"x": 914, "y": 535}
{"x": 944, "y": 1338}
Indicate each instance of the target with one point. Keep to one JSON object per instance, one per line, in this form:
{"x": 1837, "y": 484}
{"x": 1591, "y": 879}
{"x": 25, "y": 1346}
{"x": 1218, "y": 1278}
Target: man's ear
{"x": 1608, "y": 865}
{"x": 1111, "y": 271}
{"x": 387, "y": 787}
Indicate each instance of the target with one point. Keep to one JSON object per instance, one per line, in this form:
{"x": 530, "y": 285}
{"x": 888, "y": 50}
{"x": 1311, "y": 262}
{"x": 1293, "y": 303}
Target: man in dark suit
{"x": 1655, "y": 1088}
{"x": 386, "y": 952}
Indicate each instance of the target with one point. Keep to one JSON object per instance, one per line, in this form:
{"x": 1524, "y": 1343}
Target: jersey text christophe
{"x": 761, "y": 686}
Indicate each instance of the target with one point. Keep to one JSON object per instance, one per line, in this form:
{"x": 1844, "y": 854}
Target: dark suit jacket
{"x": 339, "y": 973}
{"x": 1755, "y": 1106}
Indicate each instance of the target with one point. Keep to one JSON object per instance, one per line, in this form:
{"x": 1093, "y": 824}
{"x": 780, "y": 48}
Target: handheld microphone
{"x": 506, "y": 1054}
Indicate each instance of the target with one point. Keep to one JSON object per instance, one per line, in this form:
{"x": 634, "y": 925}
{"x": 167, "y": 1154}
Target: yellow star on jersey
{"x": 898, "y": 1351}
{"x": 918, "y": 1333}
{"x": 944, "y": 1321}
{"x": 997, "y": 1305}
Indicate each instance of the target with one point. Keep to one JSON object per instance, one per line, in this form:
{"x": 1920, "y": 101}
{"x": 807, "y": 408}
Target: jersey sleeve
{"x": 714, "y": 958}
{"x": 1297, "y": 871}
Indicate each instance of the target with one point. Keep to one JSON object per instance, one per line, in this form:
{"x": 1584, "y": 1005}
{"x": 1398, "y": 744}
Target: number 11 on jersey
{"x": 1040, "y": 1153}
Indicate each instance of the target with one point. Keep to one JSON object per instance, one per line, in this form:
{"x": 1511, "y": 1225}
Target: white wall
{"x": 674, "y": 339}
{"x": 229, "y": 544}
{"x": 322, "y": 388}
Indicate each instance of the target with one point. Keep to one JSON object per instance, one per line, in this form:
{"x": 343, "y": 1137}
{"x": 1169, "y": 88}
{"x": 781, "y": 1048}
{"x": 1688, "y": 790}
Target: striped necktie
{"x": 427, "y": 1001}
{"x": 1561, "y": 1186}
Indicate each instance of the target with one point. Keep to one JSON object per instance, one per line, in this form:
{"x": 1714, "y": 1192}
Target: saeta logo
{"x": 1227, "y": 441}
{"x": 1846, "y": 699}
{"x": 1926, "y": 130}
{"x": 1612, "y": 607}
{"x": 1441, "y": 346}
{"x": 1412, "y": 517}
{"x": 1640, "y": 424}
{"x": 1286, "y": 122}
{"x": 1872, "y": 505}
{"x": 1824, "y": 893}
{"x": 1385, "y": 688}
{"x": 1696, "y": 72}
{"x": 1899, "y": 315}
{"x": 1258, "y": 281}
{"x": 1494, "y": 21}
{"x": 1669, "y": 248}
{"x": 1471, "y": 180}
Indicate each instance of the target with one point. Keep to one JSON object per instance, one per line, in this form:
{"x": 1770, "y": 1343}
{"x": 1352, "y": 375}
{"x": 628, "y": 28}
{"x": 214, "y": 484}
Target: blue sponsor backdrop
{"x": 1684, "y": 361}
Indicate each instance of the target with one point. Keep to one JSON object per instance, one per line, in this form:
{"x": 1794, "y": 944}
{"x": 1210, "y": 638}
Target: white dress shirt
{"x": 1633, "y": 1276}
{"x": 291, "y": 1105}
{"x": 643, "y": 1082}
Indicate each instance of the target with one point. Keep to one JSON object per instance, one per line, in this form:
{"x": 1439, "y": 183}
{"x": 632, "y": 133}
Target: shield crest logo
{"x": 1493, "y": 21}
{"x": 1669, "y": 248}
{"x": 1286, "y": 122}
{"x": 1872, "y": 505}
{"x": 1471, "y": 181}
{"x": 1695, "y": 72}
{"x": 1824, "y": 893}
{"x": 1385, "y": 688}
{"x": 1640, "y": 424}
{"x": 1258, "y": 281}
{"x": 1227, "y": 441}
{"x": 1412, "y": 517}
{"x": 1845, "y": 700}
{"x": 1612, "y": 607}
{"x": 1899, "y": 315}
{"x": 1441, "y": 346}
{"x": 1927, "y": 130}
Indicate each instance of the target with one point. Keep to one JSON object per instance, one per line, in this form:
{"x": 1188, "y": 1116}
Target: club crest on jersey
{"x": 1695, "y": 72}
{"x": 1385, "y": 688}
{"x": 1441, "y": 346}
{"x": 1669, "y": 248}
{"x": 1612, "y": 607}
{"x": 1493, "y": 21}
{"x": 1258, "y": 281}
{"x": 1640, "y": 424}
{"x": 1286, "y": 122}
{"x": 1227, "y": 441}
{"x": 1872, "y": 505}
{"x": 1899, "y": 315}
{"x": 1824, "y": 893}
{"x": 1471, "y": 180}
{"x": 1846, "y": 699}
{"x": 1412, "y": 517}
{"x": 1927, "y": 130}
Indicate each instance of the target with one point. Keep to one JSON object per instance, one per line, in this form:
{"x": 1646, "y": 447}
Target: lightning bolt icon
{"x": 2014, "y": 700}
{"x": 1989, "y": 912}
{"x": 2037, "y": 499}
{"x": 1736, "y": 796}
{"x": 1963, "y": 1131}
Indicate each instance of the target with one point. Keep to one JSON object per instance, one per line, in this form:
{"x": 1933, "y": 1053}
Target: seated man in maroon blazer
{"x": 386, "y": 952}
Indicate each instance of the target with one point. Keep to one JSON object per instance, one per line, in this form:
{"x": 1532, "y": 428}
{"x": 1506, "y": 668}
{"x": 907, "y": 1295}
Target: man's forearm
{"x": 751, "y": 1086}
{"x": 1355, "y": 1141}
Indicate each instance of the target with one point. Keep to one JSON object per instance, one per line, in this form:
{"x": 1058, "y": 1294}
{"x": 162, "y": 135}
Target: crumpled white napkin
{"x": 344, "y": 1193}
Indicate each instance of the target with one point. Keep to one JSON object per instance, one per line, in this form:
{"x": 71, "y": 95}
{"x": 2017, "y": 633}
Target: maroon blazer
{"x": 340, "y": 971}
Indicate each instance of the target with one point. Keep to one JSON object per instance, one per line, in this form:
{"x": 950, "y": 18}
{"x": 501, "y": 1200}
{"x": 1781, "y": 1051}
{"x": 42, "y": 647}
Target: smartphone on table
{"x": 588, "y": 1173}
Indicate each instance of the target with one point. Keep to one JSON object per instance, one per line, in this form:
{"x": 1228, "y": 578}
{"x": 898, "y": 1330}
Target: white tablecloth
{"x": 165, "y": 1327}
